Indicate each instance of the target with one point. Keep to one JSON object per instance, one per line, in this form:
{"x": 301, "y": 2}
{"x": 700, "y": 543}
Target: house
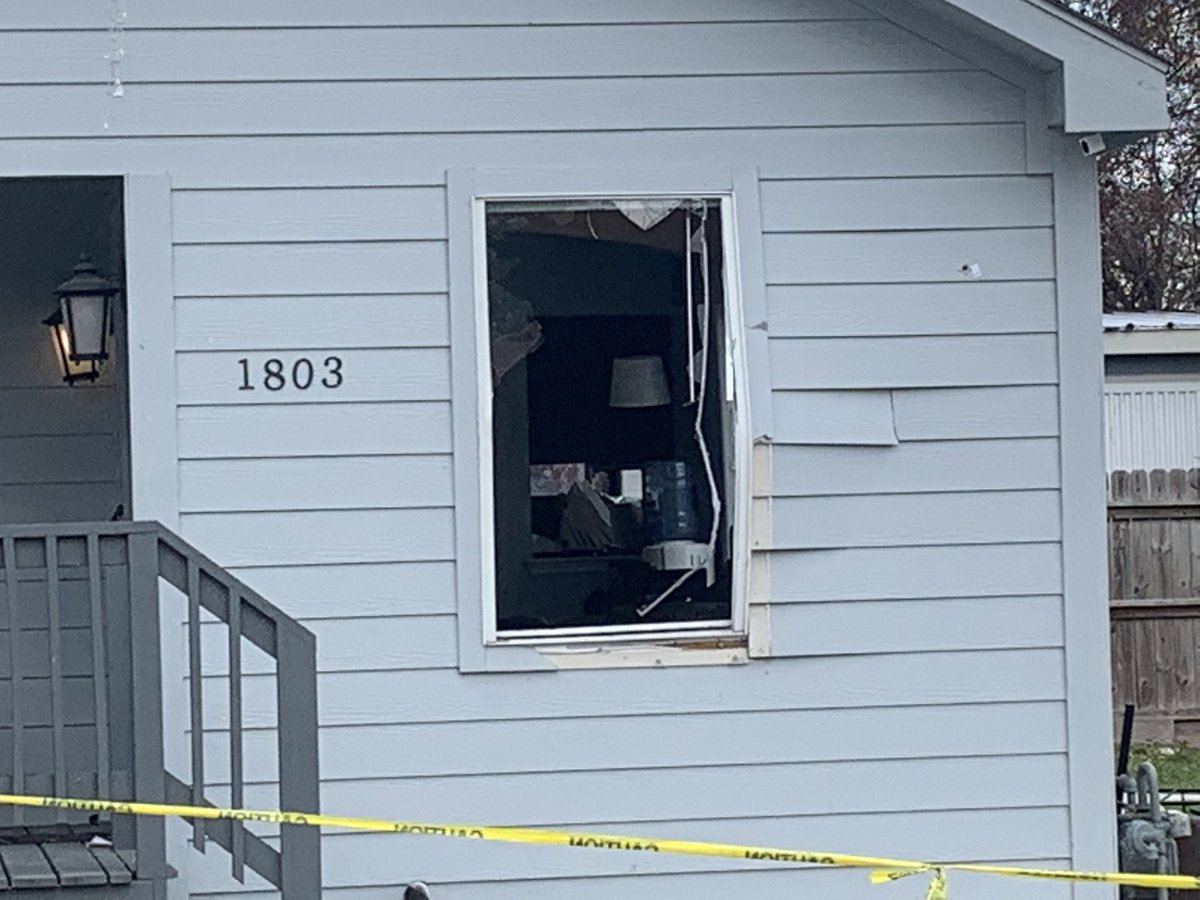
{"x": 1151, "y": 388}
{"x": 1151, "y": 396}
{"x": 673, "y": 417}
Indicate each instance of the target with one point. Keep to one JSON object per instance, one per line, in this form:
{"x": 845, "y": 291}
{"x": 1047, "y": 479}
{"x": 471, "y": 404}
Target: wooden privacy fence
{"x": 1154, "y": 599}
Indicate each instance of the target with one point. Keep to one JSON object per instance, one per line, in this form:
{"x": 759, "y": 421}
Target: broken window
{"x": 613, "y": 416}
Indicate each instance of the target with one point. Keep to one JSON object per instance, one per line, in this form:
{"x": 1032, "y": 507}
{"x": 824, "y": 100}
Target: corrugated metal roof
{"x": 1151, "y": 321}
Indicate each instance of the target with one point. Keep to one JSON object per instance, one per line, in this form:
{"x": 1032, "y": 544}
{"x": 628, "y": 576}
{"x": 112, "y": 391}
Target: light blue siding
{"x": 914, "y": 700}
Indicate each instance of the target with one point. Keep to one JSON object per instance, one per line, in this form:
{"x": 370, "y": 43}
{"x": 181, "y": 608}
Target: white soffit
{"x": 1102, "y": 82}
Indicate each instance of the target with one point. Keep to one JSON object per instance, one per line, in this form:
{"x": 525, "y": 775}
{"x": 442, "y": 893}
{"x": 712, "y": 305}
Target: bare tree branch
{"x": 1150, "y": 192}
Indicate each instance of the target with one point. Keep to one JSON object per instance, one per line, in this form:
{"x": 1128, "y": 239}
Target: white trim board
{"x": 1081, "y": 373}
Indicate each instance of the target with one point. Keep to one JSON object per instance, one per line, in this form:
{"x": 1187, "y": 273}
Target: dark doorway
{"x": 64, "y": 448}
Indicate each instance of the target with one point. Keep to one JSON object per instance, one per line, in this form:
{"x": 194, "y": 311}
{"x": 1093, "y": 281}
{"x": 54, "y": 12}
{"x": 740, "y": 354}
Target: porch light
{"x": 73, "y": 370}
{"x": 85, "y": 302}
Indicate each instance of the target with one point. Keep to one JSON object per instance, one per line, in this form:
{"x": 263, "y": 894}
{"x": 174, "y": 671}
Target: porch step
{"x": 58, "y": 864}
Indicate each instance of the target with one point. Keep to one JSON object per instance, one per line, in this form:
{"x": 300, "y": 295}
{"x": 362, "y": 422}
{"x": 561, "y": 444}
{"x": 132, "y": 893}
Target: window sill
{"x": 730, "y": 651}
{"x": 726, "y": 650}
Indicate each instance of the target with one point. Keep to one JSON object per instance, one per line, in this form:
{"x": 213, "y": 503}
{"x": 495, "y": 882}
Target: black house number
{"x": 302, "y": 374}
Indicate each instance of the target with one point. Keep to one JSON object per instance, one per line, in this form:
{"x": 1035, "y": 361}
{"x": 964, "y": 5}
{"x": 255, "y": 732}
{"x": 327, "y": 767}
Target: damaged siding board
{"x": 834, "y": 417}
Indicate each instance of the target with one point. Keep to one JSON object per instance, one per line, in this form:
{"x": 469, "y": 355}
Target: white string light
{"x": 117, "y": 17}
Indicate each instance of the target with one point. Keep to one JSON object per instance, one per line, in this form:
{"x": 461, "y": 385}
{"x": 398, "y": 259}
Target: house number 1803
{"x": 301, "y": 374}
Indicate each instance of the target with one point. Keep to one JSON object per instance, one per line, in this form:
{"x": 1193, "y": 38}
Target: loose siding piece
{"x": 850, "y": 418}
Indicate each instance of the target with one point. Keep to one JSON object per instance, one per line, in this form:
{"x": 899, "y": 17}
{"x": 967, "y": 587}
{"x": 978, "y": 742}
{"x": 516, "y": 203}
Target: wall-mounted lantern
{"x": 82, "y": 323}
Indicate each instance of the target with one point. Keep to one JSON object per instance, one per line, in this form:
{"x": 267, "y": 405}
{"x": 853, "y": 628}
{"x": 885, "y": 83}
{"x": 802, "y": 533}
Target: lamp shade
{"x": 638, "y": 382}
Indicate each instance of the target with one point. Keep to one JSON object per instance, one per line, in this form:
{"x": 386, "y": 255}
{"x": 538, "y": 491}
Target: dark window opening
{"x": 612, "y": 415}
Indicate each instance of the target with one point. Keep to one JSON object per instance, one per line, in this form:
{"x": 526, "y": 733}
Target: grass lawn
{"x": 1178, "y": 765}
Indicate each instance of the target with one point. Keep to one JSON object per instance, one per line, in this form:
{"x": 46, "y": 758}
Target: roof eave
{"x": 1103, "y": 84}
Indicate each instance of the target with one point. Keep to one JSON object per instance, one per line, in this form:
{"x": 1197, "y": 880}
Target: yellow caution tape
{"x": 883, "y": 868}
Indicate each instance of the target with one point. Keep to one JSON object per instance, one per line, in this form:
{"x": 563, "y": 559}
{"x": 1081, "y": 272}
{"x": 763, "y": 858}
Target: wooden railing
{"x": 81, "y": 604}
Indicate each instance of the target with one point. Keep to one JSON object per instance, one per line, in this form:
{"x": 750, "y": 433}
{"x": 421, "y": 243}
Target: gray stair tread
{"x": 129, "y": 857}
{"x": 113, "y": 865}
{"x": 27, "y": 866}
{"x": 74, "y": 864}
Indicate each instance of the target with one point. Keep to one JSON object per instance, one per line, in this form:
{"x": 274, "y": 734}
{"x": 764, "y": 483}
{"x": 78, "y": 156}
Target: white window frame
{"x": 481, "y": 648}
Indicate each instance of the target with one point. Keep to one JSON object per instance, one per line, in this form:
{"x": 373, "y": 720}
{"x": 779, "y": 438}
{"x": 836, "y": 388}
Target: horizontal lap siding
{"x": 915, "y": 570}
{"x": 779, "y": 883}
{"x": 381, "y": 859}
